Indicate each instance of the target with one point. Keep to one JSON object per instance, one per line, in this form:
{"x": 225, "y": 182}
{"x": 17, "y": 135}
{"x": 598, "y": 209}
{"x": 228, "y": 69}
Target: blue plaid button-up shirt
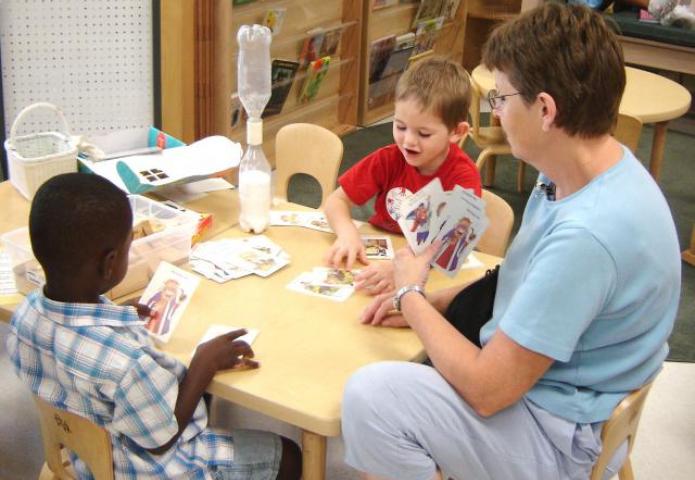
{"x": 97, "y": 360}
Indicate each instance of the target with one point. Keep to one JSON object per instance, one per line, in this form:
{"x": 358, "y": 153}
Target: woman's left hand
{"x": 411, "y": 269}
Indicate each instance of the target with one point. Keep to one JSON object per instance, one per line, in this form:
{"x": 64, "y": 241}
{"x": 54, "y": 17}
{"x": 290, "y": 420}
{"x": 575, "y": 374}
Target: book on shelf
{"x": 282, "y": 76}
{"x": 315, "y": 74}
{"x": 646, "y": 17}
{"x": 274, "y": 18}
{"x": 449, "y": 9}
{"x": 241, "y": 2}
{"x": 426, "y": 34}
{"x": 331, "y": 41}
{"x": 378, "y": 4}
{"x": 312, "y": 46}
{"x": 428, "y": 9}
{"x": 379, "y": 53}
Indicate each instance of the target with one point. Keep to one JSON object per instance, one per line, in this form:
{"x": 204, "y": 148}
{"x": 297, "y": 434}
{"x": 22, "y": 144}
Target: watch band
{"x": 402, "y": 291}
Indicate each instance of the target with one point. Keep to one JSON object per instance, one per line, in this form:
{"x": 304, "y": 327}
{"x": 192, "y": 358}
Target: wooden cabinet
{"x": 396, "y": 20}
{"x": 213, "y": 63}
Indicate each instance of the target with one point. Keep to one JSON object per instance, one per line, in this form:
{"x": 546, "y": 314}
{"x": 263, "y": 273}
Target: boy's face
{"x": 421, "y": 136}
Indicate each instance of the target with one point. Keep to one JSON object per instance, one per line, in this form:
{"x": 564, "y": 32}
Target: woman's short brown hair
{"x": 569, "y": 52}
{"x": 441, "y": 86}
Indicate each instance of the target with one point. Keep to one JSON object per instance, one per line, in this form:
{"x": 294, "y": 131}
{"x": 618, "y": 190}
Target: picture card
{"x": 167, "y": 295}
{"x": 420, "y": 221}
{"x": 306, "y": 284}
{"x": 378, "y": 247}
{"x": 335, "y": 276}
{"x": 274, "y": 18}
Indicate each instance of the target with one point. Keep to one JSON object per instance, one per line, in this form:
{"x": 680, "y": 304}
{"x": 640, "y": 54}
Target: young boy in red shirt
{"x": 432, "y": 100}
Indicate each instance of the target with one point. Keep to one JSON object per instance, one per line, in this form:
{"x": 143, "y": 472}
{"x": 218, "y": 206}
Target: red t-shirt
{"x": 386, "y": 174}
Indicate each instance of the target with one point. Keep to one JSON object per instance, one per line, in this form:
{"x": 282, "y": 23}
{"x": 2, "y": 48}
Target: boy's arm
{"x": 220, "y": 353}
{"x": 348, "y": 244}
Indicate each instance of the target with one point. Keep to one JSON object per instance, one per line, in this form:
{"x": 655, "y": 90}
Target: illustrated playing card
{"x": 167, "y": 295}
{"x": 417, "y": 220}
{"x": 305, "y": 284}
{"x": 334, "y": 276}
{"x": 377, "y": 247}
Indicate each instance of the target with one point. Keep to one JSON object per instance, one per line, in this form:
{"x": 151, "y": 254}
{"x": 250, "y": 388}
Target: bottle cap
{"x": 254, "y": 131}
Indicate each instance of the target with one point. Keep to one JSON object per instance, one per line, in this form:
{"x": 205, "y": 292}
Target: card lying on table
{"x": 167, "y": 295}
{"x": 307, "y": 284}
{"x": 377, "y": 247}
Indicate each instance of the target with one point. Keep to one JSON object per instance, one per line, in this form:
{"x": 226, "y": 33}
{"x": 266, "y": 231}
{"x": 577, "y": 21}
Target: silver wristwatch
{"x": 402, "y": 291}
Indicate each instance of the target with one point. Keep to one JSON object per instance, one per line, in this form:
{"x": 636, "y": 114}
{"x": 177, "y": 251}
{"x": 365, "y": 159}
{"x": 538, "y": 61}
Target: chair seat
{"x": 488, "y": 136}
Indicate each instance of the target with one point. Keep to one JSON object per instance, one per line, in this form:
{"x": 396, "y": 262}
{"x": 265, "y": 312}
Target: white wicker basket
{"x": 33, "y": 159}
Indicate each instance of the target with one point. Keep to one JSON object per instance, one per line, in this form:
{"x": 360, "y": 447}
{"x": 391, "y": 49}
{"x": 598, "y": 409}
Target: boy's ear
{"x": 459, "y": 132}
{"x": 108, "y": 264}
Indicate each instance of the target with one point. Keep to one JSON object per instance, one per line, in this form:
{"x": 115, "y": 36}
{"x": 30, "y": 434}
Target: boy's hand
{"x": 381, "y": 313}
{"x": 376, "y": 278}
{"x": 144, "y": 312}
{"x": 348, "y": 247}
{"x": 225, "y": 352}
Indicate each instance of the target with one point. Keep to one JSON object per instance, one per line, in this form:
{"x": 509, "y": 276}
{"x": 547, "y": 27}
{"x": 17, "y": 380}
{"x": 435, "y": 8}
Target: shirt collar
{"x": 104, "y": 313}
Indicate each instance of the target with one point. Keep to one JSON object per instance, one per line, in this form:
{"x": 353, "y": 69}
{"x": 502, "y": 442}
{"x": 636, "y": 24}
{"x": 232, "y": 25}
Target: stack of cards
{"x": 167, "y": 295}
{"x": 456, "y": 218}
{"x": 335, "y": 284}
{"x": 227, "y": 259}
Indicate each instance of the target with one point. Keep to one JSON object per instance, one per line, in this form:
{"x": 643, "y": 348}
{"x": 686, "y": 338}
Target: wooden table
{"x": 649, "y": 97}
{"x": 308, "y": 346}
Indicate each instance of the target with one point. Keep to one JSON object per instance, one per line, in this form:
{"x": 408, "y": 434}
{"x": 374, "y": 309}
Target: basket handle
{"x": 27, "y": 110}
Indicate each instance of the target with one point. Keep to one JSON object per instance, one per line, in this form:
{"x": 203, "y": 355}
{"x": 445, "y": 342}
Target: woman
{"x": 586, "y": 297}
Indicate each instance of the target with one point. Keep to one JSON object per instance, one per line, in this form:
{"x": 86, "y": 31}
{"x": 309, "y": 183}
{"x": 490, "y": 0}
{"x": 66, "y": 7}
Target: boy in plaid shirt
{"x": 82, "y": 353}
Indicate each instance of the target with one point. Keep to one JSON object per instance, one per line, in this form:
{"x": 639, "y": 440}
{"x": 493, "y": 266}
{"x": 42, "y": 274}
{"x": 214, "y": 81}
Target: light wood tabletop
{"x": 650, "y": 97}
{"x": 307, "y": 347}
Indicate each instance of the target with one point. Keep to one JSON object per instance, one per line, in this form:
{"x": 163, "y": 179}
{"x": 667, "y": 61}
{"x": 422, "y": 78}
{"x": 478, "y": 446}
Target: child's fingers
{"x": 246, "y": 364}
{"x": 236, "y": 334}
{"x": 242, "y": 349}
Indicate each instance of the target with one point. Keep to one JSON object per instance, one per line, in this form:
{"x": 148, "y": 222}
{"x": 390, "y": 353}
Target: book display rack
{"x": 397, "y": 33}
{"x": 315, "y": 64}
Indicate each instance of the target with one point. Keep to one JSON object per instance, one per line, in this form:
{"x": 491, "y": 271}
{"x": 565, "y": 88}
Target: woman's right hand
{"x": 226, "y": 352}
{"x": 348, "y": 247}
{"x": 381, "y": 313}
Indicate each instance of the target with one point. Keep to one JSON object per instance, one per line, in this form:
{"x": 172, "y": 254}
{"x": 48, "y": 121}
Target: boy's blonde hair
{"x": 442, "y": 87}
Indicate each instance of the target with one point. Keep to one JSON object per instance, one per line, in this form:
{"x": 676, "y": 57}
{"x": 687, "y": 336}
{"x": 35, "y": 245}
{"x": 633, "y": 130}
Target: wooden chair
{"x": 628, "y": 130}
{"x": 64, "y": 430}
{"x": 621, "y": 426}
{"x": 310, "y": 149}
{"x": 496, "y": 238}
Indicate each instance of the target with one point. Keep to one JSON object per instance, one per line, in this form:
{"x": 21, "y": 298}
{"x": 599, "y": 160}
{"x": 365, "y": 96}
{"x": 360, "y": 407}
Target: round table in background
{"x": 650, "y": 97}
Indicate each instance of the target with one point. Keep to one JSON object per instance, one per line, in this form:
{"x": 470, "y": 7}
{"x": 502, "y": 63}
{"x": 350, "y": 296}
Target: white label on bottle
{"x": 254, "y": 197}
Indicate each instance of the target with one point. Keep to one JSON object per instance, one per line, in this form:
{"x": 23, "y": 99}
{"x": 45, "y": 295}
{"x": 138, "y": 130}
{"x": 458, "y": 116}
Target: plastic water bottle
{"x": 254, "y": 84}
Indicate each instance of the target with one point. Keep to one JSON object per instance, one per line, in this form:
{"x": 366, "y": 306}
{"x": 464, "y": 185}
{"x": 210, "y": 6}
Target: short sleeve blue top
{"x": 592, "y": 281}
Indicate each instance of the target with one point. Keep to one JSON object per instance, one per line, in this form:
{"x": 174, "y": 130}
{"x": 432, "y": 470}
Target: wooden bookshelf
{"x": 397, "y": 20}
{"x": 214, "y": 65}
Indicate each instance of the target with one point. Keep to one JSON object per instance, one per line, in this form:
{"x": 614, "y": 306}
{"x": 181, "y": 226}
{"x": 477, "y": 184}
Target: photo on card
{"x": 305, "y": 284}
{"x": 417, "y": 223}
{"x": 335, "y": 276}
{"x": 377, "y": 247}
{"x": 459, "y": 236}
{"x": 167, "y": 296}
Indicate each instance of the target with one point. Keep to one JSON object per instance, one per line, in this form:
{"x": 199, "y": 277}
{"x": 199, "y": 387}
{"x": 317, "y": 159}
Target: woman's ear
{"x": 459, "y": 132}
{"x": 548, "y": 110}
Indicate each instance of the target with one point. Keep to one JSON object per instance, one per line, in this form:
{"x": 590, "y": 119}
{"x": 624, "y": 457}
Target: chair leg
{"x": 625, "y": 472}
{"x": 490, "y": 171}
{"x": 520, "y": 176}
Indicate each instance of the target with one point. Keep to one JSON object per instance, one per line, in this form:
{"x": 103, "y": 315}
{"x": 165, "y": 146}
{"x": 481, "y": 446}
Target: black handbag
{"x": 472, "y": 307}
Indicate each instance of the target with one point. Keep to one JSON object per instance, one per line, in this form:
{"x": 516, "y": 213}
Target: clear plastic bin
{"x": 172, "y": 244}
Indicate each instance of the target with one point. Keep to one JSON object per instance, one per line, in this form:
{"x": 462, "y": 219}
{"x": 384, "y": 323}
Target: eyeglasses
{"x": 496, "y": 100}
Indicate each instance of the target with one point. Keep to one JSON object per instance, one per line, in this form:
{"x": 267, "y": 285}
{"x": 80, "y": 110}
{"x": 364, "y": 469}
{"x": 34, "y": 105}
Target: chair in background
{"x": 501, "y": 216}
{"x": 64, "y": 430}
{"x": 628, "y": 130}
{"x": 620, "y": 427}
{"x": 309, "y": 149}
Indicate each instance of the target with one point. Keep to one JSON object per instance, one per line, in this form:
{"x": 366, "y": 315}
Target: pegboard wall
{"x": 92, "y": 58}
